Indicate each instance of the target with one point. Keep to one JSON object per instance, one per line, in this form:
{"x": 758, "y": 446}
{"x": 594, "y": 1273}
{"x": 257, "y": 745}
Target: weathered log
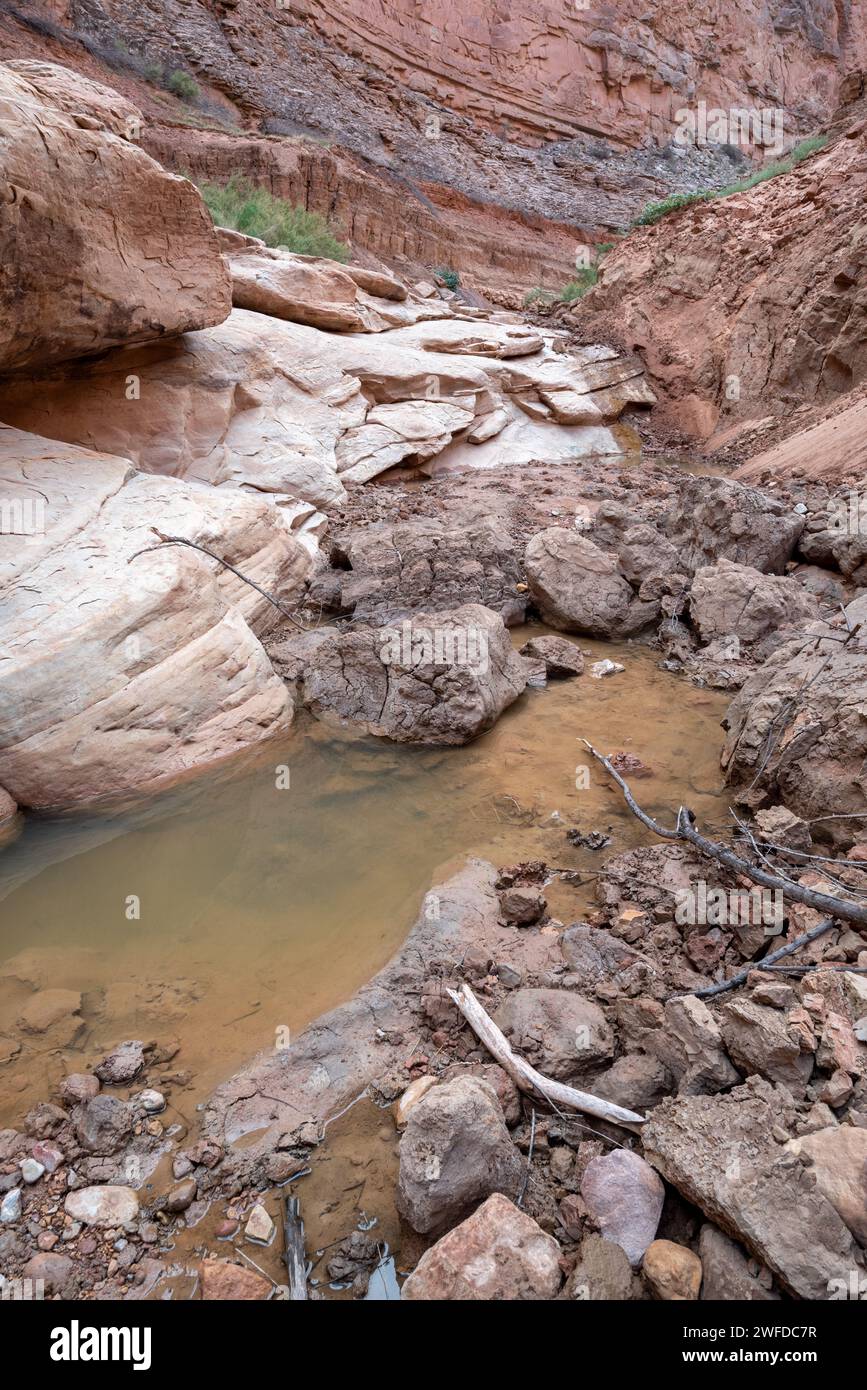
{"x": 685, "y": 830}
{"x": 525, "y": 1077}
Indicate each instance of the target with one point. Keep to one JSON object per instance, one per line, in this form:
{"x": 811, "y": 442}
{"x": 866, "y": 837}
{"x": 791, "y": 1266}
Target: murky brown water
{"x": 261, "y": 906}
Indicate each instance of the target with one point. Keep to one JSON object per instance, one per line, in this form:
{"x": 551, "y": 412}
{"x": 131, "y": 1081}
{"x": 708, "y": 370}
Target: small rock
{"x": 837, "y": 1089}
{"x": 47, "y": 1240}
{"x": 31, "y": 1171}
{"x": 562, "y": 1033}
{"x": 57, "y": 1271}
{"x": 573, "y": 1214}
{"x": 121, "y": 1065}
{"x": 152, "y": 1102}
{"x": 10, "y": 1207}
{"x": 672, "y": 1272}
{"x": 508, "y": 976}
{"x": 102, "y": 1124}
{"x": 602, "y": 1272}
{"x": 44, "y": 1120}
{"x": 79, "y": 1087}
{"x": 562, "y": 658}
{"x": 102, "y": 1206}
{"x": 181, "y": 1196}
{"x": 259, "y": 1225}
{"x": 727, "y": 1274}
{"x": 777, "y": 996}
{"x": 635, "y": 1081}
{"x": 624, "y": 1195}
{"x": 522, "y": 906}
{"x": 280, "y": 1167}
{"x": 233, "y": 1283}
{"x": 498, "y": 1254}
{"x": 600, "y": 669}
{"x": 48, "y": 1155}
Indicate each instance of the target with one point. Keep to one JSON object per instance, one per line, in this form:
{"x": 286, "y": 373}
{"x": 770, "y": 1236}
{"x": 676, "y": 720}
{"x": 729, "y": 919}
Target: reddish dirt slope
{"x": 747, "y": 308}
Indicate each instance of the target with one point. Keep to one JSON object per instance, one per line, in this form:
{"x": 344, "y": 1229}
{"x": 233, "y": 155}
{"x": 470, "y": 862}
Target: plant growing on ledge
{"x": 241, "y": 206}
{"x": 180, "y": 84}
{"x": 584, "y": 280}
{"x": 449, "y": 277}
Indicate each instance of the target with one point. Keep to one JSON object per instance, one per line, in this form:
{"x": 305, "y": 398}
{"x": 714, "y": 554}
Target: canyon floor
{"x": 324, "y": 583}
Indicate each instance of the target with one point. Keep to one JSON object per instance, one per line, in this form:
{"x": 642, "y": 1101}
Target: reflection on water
{"x": 260, "y": 905}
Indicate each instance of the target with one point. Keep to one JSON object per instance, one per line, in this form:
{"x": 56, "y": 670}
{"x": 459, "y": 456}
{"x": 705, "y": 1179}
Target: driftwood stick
{"x": 525, "y": 1077}
{"x": 765, "y": 964}
{"x": 685, "y": 830}
{"x": 296, "y": 1259}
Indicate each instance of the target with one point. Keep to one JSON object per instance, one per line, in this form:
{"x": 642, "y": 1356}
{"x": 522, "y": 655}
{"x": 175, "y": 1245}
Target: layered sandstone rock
{"x": 125, "y": 670}
{"x": 621, "y": 74}
{"x": 832, "y": 450}
{"x": 100, "y": 246}
{"x": 295, "y": 413}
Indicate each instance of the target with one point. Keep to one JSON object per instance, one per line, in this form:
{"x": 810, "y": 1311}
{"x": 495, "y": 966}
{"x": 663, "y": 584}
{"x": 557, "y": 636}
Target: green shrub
{"x": 584, "y": 280}
{"x": 449, "y": 277}
{"x": 538, "y": 296}
{"x": 180, "y": 84}
{"x": 654, "y": 212}
{"x": 243, "y": 207}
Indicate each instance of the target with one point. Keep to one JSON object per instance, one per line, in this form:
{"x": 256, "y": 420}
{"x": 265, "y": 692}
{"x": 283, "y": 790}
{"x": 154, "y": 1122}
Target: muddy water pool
{"x": 227, "y": 914}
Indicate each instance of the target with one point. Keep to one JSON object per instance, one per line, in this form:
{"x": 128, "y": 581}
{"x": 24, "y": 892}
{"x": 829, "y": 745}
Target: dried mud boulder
{"x": 439, "y": 678}
{"x": 730, "y": 600}
{"x": 798, "y": 728}
{"x": 717, "y": 518}
{"x": 579, "y": 588}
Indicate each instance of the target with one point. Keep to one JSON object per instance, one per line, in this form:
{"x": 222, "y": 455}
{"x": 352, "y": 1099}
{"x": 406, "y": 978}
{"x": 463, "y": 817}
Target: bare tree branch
{"x": 525, "y": 1077}
{"x": 765, "y": 964}
{"x": 686, "y": 830}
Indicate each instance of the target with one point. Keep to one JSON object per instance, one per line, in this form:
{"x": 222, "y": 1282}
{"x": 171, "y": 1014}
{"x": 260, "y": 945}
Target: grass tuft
{"x": 243, "y": 207}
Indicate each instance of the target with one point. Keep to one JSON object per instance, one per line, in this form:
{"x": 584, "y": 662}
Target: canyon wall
{"x": 619, "y": 71}
{"x": 490, "y": 138}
